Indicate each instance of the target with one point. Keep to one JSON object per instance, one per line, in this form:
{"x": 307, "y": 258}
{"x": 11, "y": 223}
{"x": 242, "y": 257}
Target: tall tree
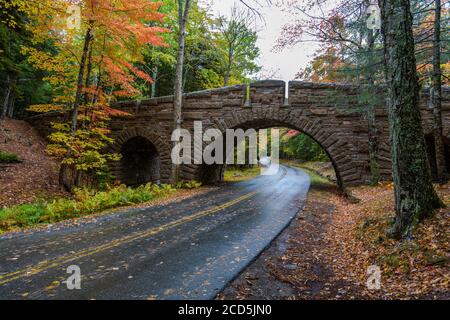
{"x": 20, "y": 83}
{"x": 183, "y": 13}
{"x": 436, "y": 96}
{"x": 350, "y": 52}
{"x": 205, "y": 56}
{"x": 239, "y": 42}
{"x": 88, "y": 67}
{"x": 415, "y": 197}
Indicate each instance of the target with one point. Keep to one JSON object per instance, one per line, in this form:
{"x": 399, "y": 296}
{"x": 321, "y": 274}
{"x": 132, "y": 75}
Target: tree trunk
{"x": 64, "y": 170}
{"x": 371, "y": 119}
{"x": 154, "y": 76}
{"x": 6, "y": 99}
{"x": 11, "y": 106}
{"x": 436, "y": 98}
{"x": 79, "y": 93}
{"x": 415, "y": 197}
{"x": 183, "y": 12}
{"x": 87, "y": 85}
{"x": 373, "y": 143}
{"x": 228, "y": 71}
{"x": 88, "y": 73}
{"x": 64, "y": 180}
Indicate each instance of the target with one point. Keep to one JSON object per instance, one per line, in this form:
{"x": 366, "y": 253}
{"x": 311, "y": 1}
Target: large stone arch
{"x": 335, "y": 145}
{"x": 144, "y": 139}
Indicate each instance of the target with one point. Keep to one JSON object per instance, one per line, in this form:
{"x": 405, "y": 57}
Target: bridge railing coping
{"x": 250, "y": 93}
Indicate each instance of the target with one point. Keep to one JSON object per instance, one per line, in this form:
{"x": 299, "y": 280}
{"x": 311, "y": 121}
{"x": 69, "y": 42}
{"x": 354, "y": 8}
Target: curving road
{"x": 185, "y": 250}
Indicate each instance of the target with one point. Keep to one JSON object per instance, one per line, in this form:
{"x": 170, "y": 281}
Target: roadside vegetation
{"x": 84, "y": 202}
{"x": 319, "y": 178}
{"x": 236, "y": 174}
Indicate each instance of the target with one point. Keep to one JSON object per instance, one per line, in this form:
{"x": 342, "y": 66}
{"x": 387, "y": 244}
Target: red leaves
{"x": 293, "y": 133}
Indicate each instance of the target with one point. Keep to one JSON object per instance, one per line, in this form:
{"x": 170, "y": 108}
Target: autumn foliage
{"x": 96, "y": 46}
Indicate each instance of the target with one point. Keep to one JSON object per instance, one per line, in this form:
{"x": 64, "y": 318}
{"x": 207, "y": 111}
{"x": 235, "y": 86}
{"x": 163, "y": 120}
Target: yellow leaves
{"x": 42, "y": 108}
{"x": 56, "y": 151}
{"x": 55, "y": 284}
{"x": 64, "y": 127}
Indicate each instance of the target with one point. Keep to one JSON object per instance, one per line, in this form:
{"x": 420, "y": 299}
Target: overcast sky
{"x": 288, "y": 62}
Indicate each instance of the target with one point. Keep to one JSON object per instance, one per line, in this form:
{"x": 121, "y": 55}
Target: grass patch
{"x": 85, "y": 202}
{"x": 233, "y": 174}
{"x": 189, "y": 185}
{"x": 6, "y": 157}
{"x": 317, "y": 181}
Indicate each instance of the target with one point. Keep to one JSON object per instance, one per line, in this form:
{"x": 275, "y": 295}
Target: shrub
{"x": 22, "y": 215}
{"x": 6, "y": 157}
{"x": 85, "y": 201}
{"x": 189, "y": 185}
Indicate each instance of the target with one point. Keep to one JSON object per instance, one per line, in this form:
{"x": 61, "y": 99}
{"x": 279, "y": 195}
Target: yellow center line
{"x": 45, "y": 265}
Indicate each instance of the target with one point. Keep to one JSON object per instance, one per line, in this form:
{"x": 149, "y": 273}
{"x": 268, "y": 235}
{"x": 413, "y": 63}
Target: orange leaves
{"x": 110, "y": 112}
{"x": 120, "y": 29}
{"x": 101, "y": 54}
{"x": 411, "y": 268}
{"x": 121, "y": 73}
{"x": 138, "y": 73}
{"x": 127, "y": 20}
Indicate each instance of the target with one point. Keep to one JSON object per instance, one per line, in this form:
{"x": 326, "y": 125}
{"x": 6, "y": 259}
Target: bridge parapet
{"x": 267, "y": 93}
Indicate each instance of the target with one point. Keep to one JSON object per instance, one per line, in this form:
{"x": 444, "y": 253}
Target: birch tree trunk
{"x": 415, "y": 197}
{"x": 153, "y": 85}
{"x": 183, "y": 12}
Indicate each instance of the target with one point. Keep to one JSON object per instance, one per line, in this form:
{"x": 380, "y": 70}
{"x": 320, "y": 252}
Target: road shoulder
{"x": 326, "y": 251}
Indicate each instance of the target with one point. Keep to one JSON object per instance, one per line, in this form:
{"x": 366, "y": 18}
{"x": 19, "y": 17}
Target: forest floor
{"x": 36, "y": 176}
{"x": 326, "y": 252}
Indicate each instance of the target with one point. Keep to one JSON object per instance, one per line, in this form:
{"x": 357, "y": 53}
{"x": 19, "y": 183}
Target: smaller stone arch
{"x": 145, "y": 157}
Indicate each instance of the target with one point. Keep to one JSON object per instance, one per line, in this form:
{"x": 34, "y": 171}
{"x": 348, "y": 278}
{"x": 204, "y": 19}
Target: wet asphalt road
{"x": 185, "y": 250}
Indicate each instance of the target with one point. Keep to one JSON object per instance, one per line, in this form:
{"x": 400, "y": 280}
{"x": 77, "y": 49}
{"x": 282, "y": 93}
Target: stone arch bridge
{"x": 326, "y": 112}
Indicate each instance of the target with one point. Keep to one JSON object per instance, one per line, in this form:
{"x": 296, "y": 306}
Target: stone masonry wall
{"x": 326, "y": 112}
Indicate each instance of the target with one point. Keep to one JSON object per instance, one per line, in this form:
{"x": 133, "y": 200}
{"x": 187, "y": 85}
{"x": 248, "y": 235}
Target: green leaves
{"x": 86, "y": 201}
{"x": 303, "y": 148}
{"x": 6, "y": 157}
{"x": 206, "y": 53}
